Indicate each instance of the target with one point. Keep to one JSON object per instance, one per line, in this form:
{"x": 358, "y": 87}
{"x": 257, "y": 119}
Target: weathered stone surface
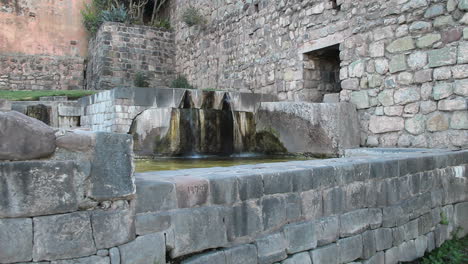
{"x": 463, "y": 5}
{"x": 459, "y": 120}
{"x": 86, "y": 260}
{"x": 327, "y": 230}
{"x": 301, "y": 258}
{"x": 368, "y": 244}
{"x": 300, "y": 237}
{"x": 286, "y": 118}
{"x": 427, "y": 107}
{"x": 427, "y": 40}
{"x": 63, "y": 236}
{"x": 453, "y": 105}
{"x": 437, "y": 122}
{"x": 442, "y": 57}
{"x": 116, "y": 168}
{"x": 114, "y": 255}
{"x": 152, "y": 223}
{"x": 383, "y": 238}
{"x": 397, "y": 63}
{"x": 442, "y": 73}
{"x": 417, "y": 60}
{"x": 423, "y": 76}
{"x": 24, "y": 138}
{"x": 143, "y": 250}
{"x": 246, "y": 220}
{"x": 271, "y": 248}
{"x": 326, "y": 254}
{"x": 406, "y": 95}
{"x": 5, "y": 105}
{"x": 461, "y": 87}
{"x": 113, "y": 227}
{"x": 154, "y": 195}
{"x": 415, "y": 125}
{"x": 207, "y": 258}
{"x": 460, "y": 216}
{"x": 245, "y": 254}
{"x": 312, "y": 206}
{"x": 350, "y": 248}
{"x": 350, "y": 84}
{"x": 77, "y": 140}
{"x": 360, "y": 99}
{"x": 16, "y": 240}
{"x": 198, "y": 229}
{"x": 39, "y": 188}
{"x": 442, "y": 90}
{"x": 435, "y": 10}
{"x": 383, "y": 124}
{"x": 354, "y": 222}
{"x": 401, "y": 44}
{"x": 407, "y": 251}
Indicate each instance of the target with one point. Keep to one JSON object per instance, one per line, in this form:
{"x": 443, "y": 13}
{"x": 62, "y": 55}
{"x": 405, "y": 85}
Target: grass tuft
{"x": 27, "y": 95}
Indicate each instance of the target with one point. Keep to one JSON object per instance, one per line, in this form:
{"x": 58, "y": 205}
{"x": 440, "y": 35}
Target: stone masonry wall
{"x": 374, "y": 209}
{"x": 41, "y": 72}
{"x": 403, "y": 62}
{"x": 118, "y": 52}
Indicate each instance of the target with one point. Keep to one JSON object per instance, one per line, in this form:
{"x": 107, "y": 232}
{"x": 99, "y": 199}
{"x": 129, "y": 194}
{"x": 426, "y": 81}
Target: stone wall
{"x": 403, "y": 63}
{"x": 41, "y": 72}
{"x": 73, "y": 204}
{"x": 119, "y": 51}
{"x": 384, "y": 208}
{"x": 59, "y": 114}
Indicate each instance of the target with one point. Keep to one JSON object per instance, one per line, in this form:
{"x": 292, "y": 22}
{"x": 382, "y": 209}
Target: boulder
{"x": 24, "y": 138}
{"x": 5, "y": 105}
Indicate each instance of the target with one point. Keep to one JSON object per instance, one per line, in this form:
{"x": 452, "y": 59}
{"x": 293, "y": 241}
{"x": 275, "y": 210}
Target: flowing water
{"x": 163, "y": 164}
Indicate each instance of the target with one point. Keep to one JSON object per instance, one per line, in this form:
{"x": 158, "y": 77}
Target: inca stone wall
{"x": 118, "y": 52}
{"x": 403, "y": 62}
{"x": 372, "y": 209}
{"x": 41, "y": 72}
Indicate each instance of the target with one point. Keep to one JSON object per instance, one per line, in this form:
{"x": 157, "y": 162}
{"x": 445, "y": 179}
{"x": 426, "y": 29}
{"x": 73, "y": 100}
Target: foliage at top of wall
{"x": 181, "y": 82}
{"x": 126, "y": 11}
{"x": 141, "y": 80}
{"x": 192, "y": 16}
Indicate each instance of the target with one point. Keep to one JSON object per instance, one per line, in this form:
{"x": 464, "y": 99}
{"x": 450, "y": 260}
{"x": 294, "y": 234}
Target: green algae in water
{"x": 163, "y": 164}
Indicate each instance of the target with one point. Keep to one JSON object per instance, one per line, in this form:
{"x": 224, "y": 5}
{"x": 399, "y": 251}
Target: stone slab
{"x": 113, "y": 227}
{"x": 16, "y": 240}
{"x": 144, "y": 250}
{"x": 31, "y": 188}
{"x": 63, "y": 237}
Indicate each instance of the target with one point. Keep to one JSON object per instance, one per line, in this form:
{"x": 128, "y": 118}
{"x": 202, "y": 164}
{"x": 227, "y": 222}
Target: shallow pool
{"x": 162, "y": 164}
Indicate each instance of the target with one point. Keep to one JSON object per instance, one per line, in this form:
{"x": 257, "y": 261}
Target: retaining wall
{"x": 41, "y": 72}
{"x": 118, "y": 52}
{"x": 374, "y": 209}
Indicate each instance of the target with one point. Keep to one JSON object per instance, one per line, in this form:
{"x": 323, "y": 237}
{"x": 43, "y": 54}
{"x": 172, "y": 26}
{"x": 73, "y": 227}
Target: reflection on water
{"x": 202, "y": 161}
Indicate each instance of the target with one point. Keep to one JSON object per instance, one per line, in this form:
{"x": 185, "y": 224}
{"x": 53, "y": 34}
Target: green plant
{"x": 443, "y": 219}
{"x": 451, "y": 252}
{"x": 91, "y": 18}
{"x": 181, "y": 82}
{"x": 163, "y": 23}
{"x": 115, "y": 14}
{"x": 191, "y": 16}
{"x": 141, "y": 80}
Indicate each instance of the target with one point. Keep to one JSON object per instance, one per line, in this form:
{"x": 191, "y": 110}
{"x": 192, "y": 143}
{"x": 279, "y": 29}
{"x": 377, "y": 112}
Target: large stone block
{"x": 384, "y": 124}
{"x": 39, "y": 188}
{"x": 368, "y": 244}
{"x": 191, "y": 191}
{"x": 113, "y": 227}
{"x": 327, "y": 254}
{"x": 244, "y": 254}
{"x": 277, "y": 182}
{"x": 312, "y": 204}
{"x": 357, "y": 221}
{"x": 401, "y": 44}
{"x": 112, "y": 167}
{"x": 250, "y": 186}
{"x": 350, "y": 248}
{"x": 271, "y": 248}
{"x": 24, "y": 138}
{"x": 216, "y": 257}
{"x": 16, "y": 240}
{"x": 246, "y": 220}
{"x": 63, "y": 236}
{"x": 274, "y": 211}
{"x": 327, "y": 230}
{"x": 300, "y": 237}
{"x": 442, "y": 57}
{"x": 301, "y": 258}
{"x": 333, "y": 201}
{"x": 152, "y": 223}
{"x": 198, "y": 229}
{"x": 337, "y": 125}
{"x": 154, "y": 195}
{"x": 383, "y": 238}
{"x": 461, "y": 217}
{"x": 147, "y": 249}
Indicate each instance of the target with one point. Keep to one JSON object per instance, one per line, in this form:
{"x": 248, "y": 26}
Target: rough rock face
{"x": 5, "y": 105}
{"x": 24, "y": 138}
{"x": 311, "y": 127}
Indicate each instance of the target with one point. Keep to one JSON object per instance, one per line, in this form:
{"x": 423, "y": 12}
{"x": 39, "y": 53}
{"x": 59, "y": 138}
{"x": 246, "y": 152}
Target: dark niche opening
{"x": 322, "y": 73}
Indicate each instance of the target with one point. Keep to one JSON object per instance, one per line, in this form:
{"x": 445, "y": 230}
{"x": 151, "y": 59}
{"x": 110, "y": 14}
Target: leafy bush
{"x": 163, "y": 23}
{"x": 454, "y": 251}
{"x": 91, "y": 18}
{"x": 115, "y": 14}
{"x": 141, "y": 80}
{"x": 181, "y": 82}
{"x": 191, "y": 16}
